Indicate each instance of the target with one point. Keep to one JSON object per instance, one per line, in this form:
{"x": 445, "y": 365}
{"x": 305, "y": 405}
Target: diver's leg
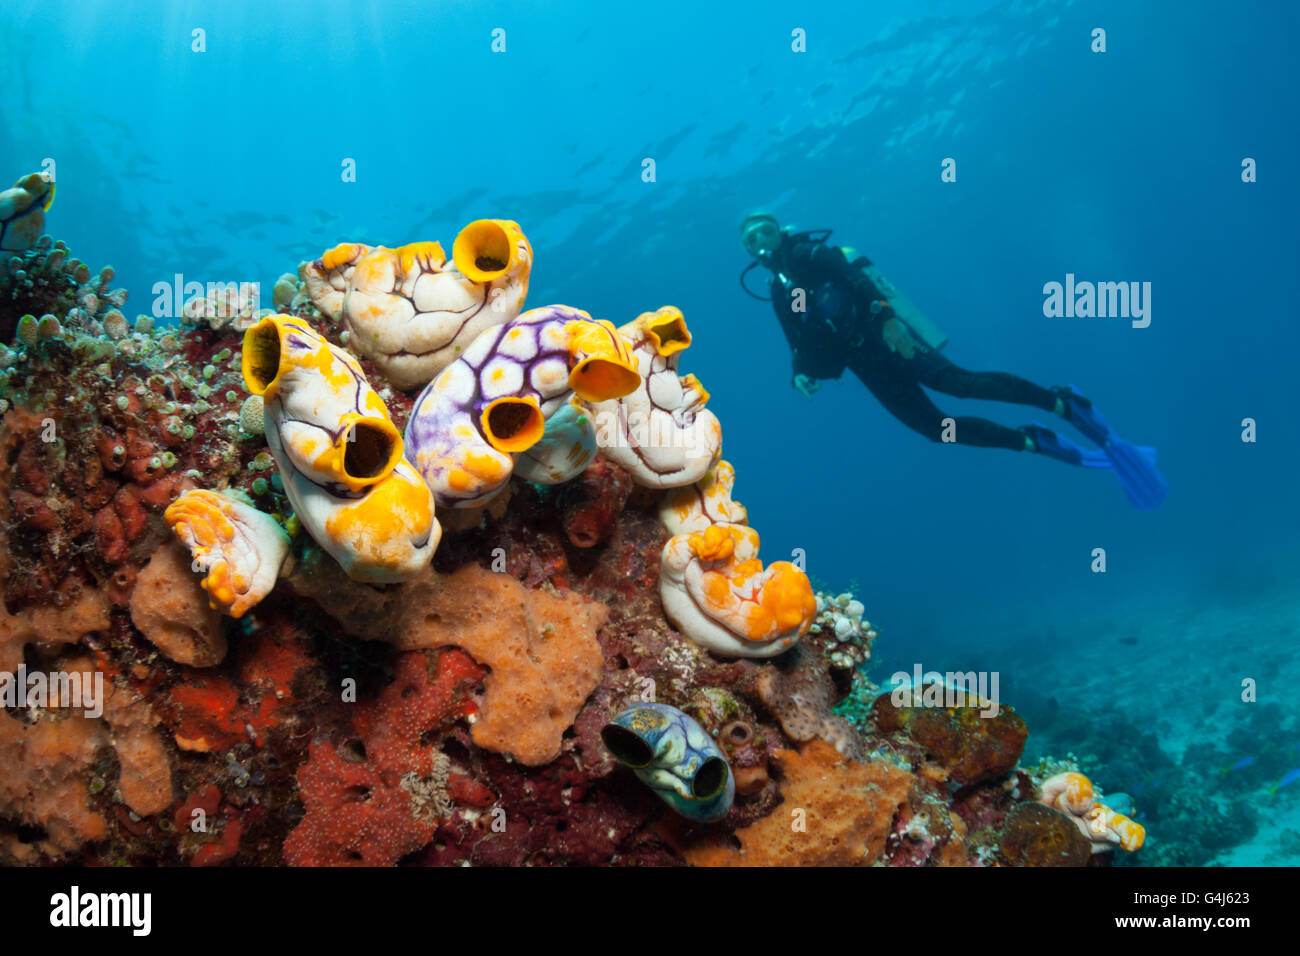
{"x": 907, "y": 402}
{"x": 932, "y": 369}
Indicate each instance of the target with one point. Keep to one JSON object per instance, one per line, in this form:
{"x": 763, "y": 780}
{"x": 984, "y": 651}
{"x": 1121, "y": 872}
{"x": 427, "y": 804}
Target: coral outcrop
{"x": 966, "y": 742}
{"x": 302, "y": 667}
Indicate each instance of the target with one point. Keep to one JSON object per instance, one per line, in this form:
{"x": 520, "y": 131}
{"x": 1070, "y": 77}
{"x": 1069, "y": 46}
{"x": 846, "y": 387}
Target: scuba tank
{"x": 922, "y": 326}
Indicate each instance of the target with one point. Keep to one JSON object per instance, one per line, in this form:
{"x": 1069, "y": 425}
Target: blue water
{"x": 1123, "y": 165}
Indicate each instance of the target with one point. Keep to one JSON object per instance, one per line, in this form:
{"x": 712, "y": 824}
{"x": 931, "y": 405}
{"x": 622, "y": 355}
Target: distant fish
{"x": 1130, "y": 640}
{"x": 1291, "y": 777}
{"x": 1241, "y": 764}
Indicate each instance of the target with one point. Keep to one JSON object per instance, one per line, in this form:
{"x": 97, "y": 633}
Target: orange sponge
{"x": 835, "y": 812}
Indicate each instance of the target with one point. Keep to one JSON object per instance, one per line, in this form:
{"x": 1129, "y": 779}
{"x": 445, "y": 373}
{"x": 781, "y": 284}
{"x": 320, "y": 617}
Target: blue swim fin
{"x": 1135, "y": 467}
{"x": 1142, "y": 482}
{"x": 1049, "y": 443}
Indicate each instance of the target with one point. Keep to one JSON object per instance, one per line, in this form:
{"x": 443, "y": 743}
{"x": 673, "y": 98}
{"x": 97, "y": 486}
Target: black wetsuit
{"x": 848, "y": 323}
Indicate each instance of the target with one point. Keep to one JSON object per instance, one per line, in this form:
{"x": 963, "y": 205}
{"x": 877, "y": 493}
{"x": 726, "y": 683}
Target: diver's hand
{"x": 806, "y": 385}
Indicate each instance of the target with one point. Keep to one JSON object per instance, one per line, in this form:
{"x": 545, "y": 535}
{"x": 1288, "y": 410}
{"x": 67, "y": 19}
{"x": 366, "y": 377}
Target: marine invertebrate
{"x": 412, "y": 313}
{"x": 205, "y": 715}
{"x": 367, "y": 804}
{"x": 673, "y": 756}
{"x": 835, "y": 812}
{"x": 284, "y": 292}
{"x": 340, "y": 455}
{"x": 169, "y": 608}
{"x": 22, "y": 211}
{"x": 800, "y": 692}
{"x": 252, "y": 415}
{"x": 541, "y": 648}
{"x": 326, "y": 279}
{"x": 239, "y": 548}
{"x": 115, "y": 326}
{"x": 660, "y": 432}
{"x": 224, "y": 304}
{"x": 208, "y": 712}
{"x": 353, "y": 817}
{"x": 714, "y": 588}
{"x": 566, "y": 448}
{"x": 145, "y": 775}
{"x": 593, "y": 503}
{"x": 47, "y": 762}
{"x": 841, "y": 630}
{"x": 492, "y": 402}
{"x": 1072, "y": 793}
{"x": 44, "y": 785}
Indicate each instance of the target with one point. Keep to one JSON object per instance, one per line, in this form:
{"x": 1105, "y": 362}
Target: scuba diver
{"x": 838, "y": 312}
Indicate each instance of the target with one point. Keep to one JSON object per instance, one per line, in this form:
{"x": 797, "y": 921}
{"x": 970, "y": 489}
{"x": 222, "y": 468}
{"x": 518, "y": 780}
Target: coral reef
{"x": 285, "y": 685}
{"x": 969, "y": 745}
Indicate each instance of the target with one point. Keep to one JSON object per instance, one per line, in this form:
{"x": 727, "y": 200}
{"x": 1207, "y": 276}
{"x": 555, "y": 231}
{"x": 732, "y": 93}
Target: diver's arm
{"x": 820, "y": 361}
{"x": 792, "y": 328}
